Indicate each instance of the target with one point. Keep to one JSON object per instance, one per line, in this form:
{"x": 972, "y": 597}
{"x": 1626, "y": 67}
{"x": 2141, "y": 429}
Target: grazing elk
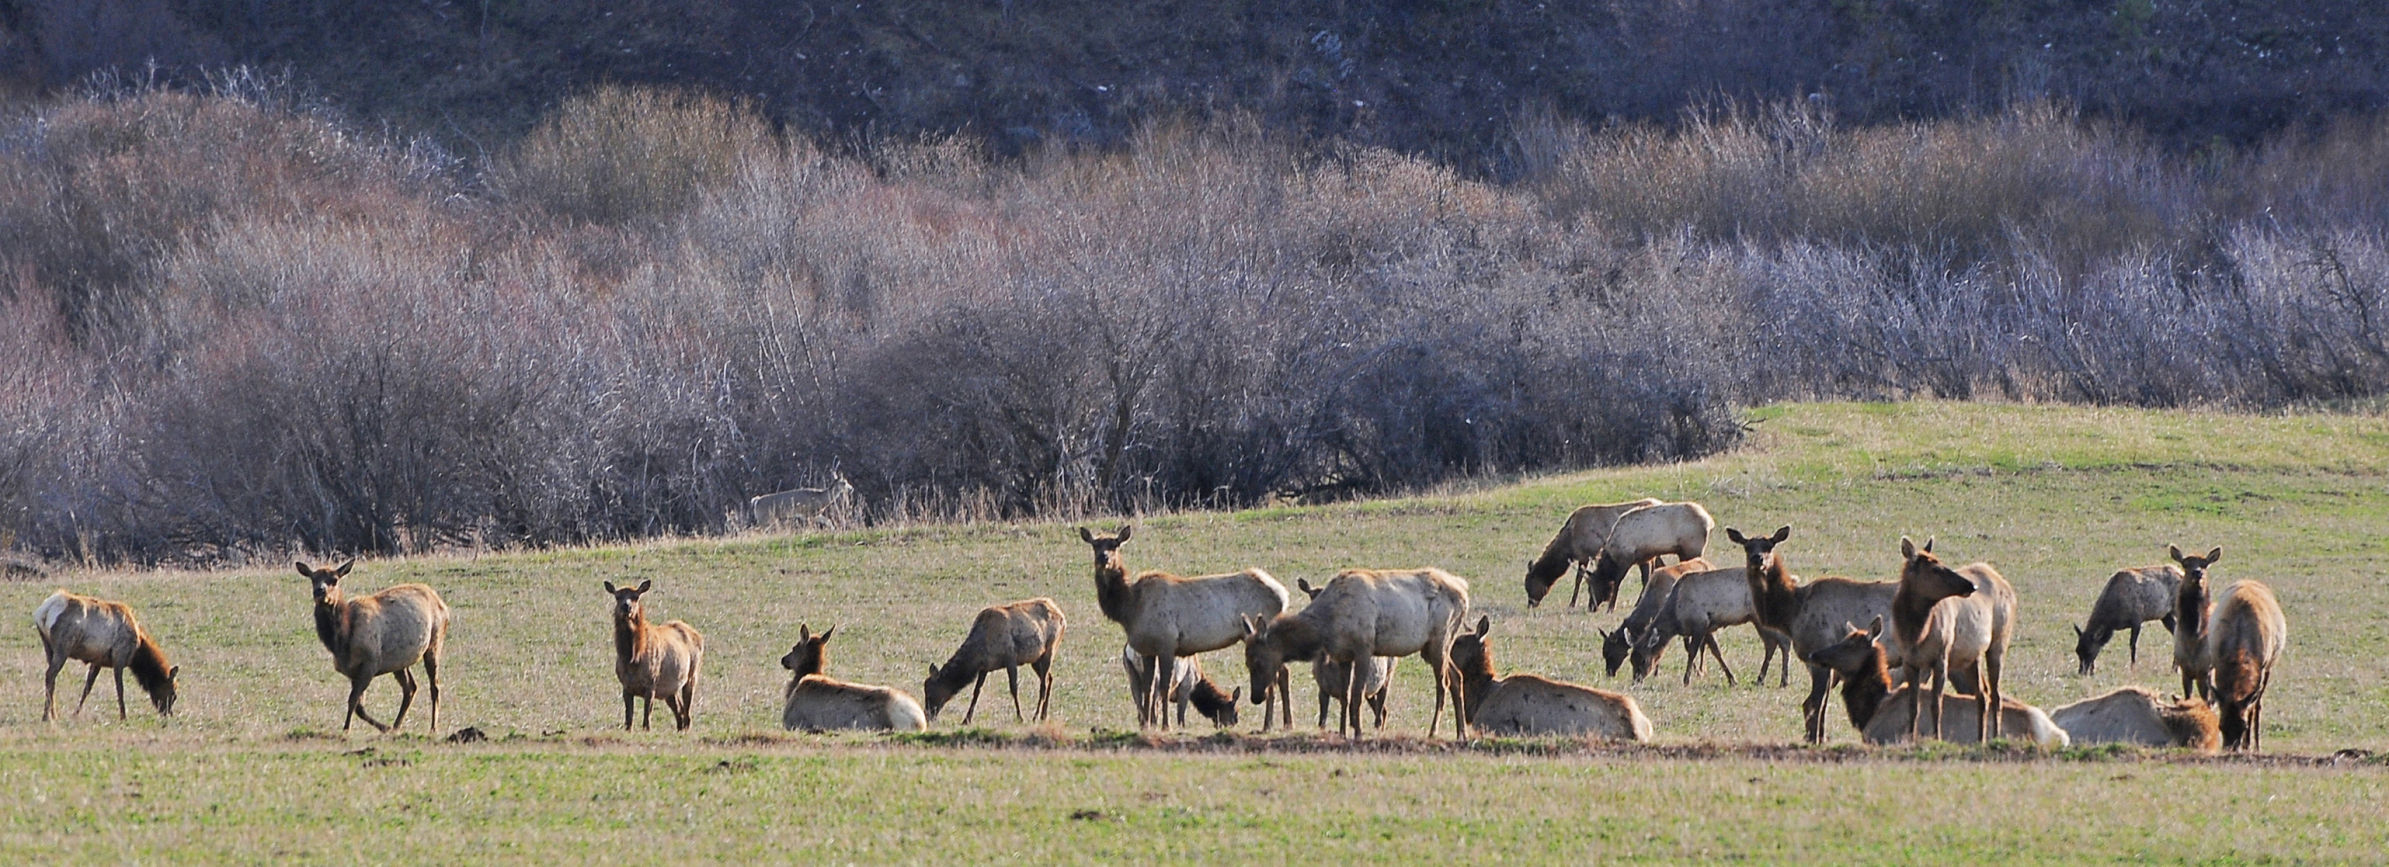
{"x": 1884, "y": 715}
{"x": 1617, "y": 644}
{"x": 1365, "y": 613}
{"x": 105, "y": 634}
{"x": 1001, "y": 637}
{"x": 1642, "y": 536}
{"x": 817, "y": 702}
{"x": 1526, "y": 704}
{"x": 2132, "y": 715}
{"x": 1944, "y": 620}
{"x": 653, "y": 661}
{"x": 1375, "y": 675}
{"x": 1188, "y": 686}
{"x": 1579, "y": 540}
{"x": 1697, "y": 607}
{"x": 1815, "y": 614}
{"x": 385, "y": 633}
{"x": 1168, "y": 616}
{"x": 772, "y": 510}
{"x": 2244, "y": 639}
{"x": 2132, "y": 597}
{"x": 2191, "y": 605}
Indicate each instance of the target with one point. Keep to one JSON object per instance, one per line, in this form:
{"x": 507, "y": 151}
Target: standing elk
{"x": 1001, "y": 637}
{"x": 2132, "y": 715}
{"x": 2191, "y": 605}
{"x": 385, "y": 633}
{"x": 1579, "y": 540}
{"x": 1815, "y": 614}
{"x": 1188, "y": 686}
{"x": 1697, "y": 607}
{"x": 1641, "y": 537}
{"x": 772, "y": 510}
{"x": 1375, "y": 675}
{"x": 1885, "y": 715}
{"x": 2244, "y": 640}
{"x": 1365, "y": 613}
{"x": 1526, "y": 704}
{"x": 815, "y": 701}
{"x": 1617, "y": 644}
{"x": 1944, "y": 620}
{"x": 2132, "y": 597}
{"x": 105, "y": 634}
{"x": 653, "y": 661}
{"x": 1168, "y": 616}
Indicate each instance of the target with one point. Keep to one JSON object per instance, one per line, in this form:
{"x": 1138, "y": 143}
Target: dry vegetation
{"x": 244, "y": 329}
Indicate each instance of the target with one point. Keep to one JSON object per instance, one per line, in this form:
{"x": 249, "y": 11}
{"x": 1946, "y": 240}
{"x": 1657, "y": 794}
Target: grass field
{"x": 254, "y": 766}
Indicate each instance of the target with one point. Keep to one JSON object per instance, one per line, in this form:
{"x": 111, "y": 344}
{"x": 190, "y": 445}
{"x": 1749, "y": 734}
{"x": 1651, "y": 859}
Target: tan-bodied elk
{"x": 2244, "y": 640}
{"x": 1816, "y": 614}
{"x": 1375, "y": 675}
{"x": 1364, "y": 613}
{"x": 815, "y": 701}
{"x": 1002, "y": 637}
{"x": 654, "y": 661}
{"x": 106, "y": 635}
{"x": 384, "y": 633}
{"x": 1168, "y": 616}
{"x": 1579, "y": 540}
{"x": 810, "y": 504}
{"x": 1945, "y": 621}
{"x": 1697, "y": 607}
{"x": 2131, "y": 598}
{"x": 2132, "y": 715}
{"x": 1617, "y": 644}
{"x": 2191, "y": 606}
{"x": 1887, "y": 715}
{"x": 1527, "y": 704}
{"x": 1641, "y": 537}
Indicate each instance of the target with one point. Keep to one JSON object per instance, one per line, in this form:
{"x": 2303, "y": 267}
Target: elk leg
{"x": 1012, "y": 677}
{"x": 688, "y": 700}
{"x": 1144, "y": 693}
{"x": 629, "y": 702}
{"x": 1285, "y": 693}
{"x": 2135, "y": 645}
{"x": 1351, "y": 712}
{"x": 49, "y": 699}
{"x": 119, "y": 672}
{"x": 431, "y": 677}
{"x": 974, "y": 708}
{"x": 1812, "y": 708}
{"x": 1577, "y": 587}
{"x": 1377, "y": 703}
{"x": 647, "y": 712}
{"x": 1323, "y": 697}
{"x": 1940, "y": 687}
{"x": 406, "y": 695}
{"x": 1711, "y": 641}
{"x": 1044, "y": 669}
{"x": 356, "y": 703}
{"x": 87, "y": 684}
{"x": 1993, "y": 699}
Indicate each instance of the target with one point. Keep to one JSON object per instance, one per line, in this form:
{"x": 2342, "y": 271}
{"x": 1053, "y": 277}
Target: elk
{"x": 654, "y": 661}
{"x": 2244, "y": 639}
{"x": 2132, "y": 715}
{"x": 385, "y": 633}
{"x": 771, "y": 510}
{"x": 1944, "y": 620}
{"x": 1375, "y": 675}
{"x": 1364, "y": 613}
{"x": 1188, "y": 686}
{"x": 2191, "y": 605}
{"x": 1642, "y": 536}
{"x": 1168, "y": 616}
{"x": 1886, "y": 715}
{"x": 1697, "y": 607}
{"x": 2132, "y": 597}
{"x": 816, "y": 702}
{"x": 1815, "y": 614}
{"x": 1526, "y": 704}
{"x": 105, "y": 634}
{"x": 1001, "y": 637}
{"x": 1617, "y": 644}
{"x": 1579, "y": 540}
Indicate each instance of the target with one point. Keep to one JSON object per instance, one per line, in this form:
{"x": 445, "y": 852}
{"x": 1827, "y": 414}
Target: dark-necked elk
{"x": 2191, "y": 605}
{"x": 654, "y": 661}
{"x": 2132, "y": 597}
{"x": 1617, "y": 644}
{"x": 816, "y": 701}
{"x": 1578, "y": 542}
{"x": 2132, "y": 715}
{"x": 1364, "y": 613}
{"x": 1697, "y": 607}
{"x": 1526, "y": 704}
{"x": 1815, "y": 614}
{"x": 1002, "y": 637}
{"x": 385, "y": 633}
{"x": 1641, "y": 537}
{"x": 1885, "y": 715}
{"x": 107, "y": 635}
{"x": 1169, "y": 616}
{"x": 1189, "y": 686}
{"x": 1375, "y": 675}
{"x": 1946, "y": 620}
{"x": 2244, "y": 639}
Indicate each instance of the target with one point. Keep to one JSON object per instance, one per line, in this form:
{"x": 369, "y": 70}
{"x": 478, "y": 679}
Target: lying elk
{"x": 2132, "y": 597}
{"x": 1885, "y": 715}
{"x": 105, "y": 634}
{"x": 1526, "y": 704}
{"x": 1169, "y": 616}
{"x": 771, "y": 510}
{"x": 815, "y": 701}
{"x": 385, "y": 633}
{"x": 1001, "y": 637}
{"x": 1579, "y": 540}
{"x": 1187, "y": 686}
{"x": 2132, "y": 715}
{"x": 654, "y": 661}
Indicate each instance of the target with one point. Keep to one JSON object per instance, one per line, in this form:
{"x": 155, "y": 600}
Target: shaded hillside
{"x": 1436, "y": 77}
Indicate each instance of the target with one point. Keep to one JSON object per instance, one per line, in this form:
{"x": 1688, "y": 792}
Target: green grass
{"x": 255, "y": 766}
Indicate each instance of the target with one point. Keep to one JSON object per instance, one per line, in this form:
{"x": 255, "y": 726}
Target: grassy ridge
{"x": 2057, "y": 498}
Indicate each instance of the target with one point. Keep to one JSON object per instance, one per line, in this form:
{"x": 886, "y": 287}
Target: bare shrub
{"x": 620, "y": 155}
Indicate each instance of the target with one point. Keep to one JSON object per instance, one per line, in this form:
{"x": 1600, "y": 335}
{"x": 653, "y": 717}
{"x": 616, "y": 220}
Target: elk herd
{"x": 1919, "y": 656}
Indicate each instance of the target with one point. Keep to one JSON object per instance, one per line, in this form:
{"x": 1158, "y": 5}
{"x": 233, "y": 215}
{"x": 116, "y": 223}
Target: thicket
{"x": 240, "y": 328}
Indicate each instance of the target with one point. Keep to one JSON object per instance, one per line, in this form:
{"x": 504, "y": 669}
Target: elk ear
{"x": 824, "y": 637}
{"x": 2175, "y": 552}
{"x": 609, "y": 587}
{"x": 343, "y": 570}
{"x": 1735, "y": 535}
{"x": 303, "y": 570}
{"x": 1604, "y": 633}
{"x": 1484, "y": 624}
{"x": 2214, "y": 555}
{"x": 1236, "y": 695}
{"x": 1085, "y": 536}
{"x": 1928, "y": 544}
{"x": 1874, "y": 629}
{"x": 174, "y": 672}
{"x": 804, "y": 632}
{"x": 933, "y": 671}
{"x": 1907, "y": 549}
{"x": 1782, "y": 533}
{"x": 2077, "y": 631}
{"x": 1124, "y": 528}
{"x": 1250, "y": 630}
{"x": 645, "y": 585}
